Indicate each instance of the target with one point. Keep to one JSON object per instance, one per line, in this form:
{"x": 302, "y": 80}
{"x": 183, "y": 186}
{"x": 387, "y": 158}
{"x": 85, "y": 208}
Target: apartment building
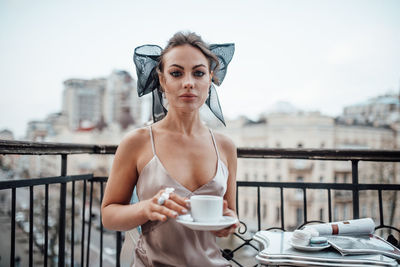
{"x": 308, "y": 130}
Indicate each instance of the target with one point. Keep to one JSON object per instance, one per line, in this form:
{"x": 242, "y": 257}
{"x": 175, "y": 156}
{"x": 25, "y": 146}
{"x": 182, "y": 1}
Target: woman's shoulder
{"x": 135, "y": 138}
{"x": 225, "y": 143}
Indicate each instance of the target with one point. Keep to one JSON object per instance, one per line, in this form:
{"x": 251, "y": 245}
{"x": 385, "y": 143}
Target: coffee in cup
{"x": 206, "y": 208}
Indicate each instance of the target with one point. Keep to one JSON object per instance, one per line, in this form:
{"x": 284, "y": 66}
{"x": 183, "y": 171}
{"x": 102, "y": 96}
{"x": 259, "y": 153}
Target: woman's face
{"x": 185, "y": 78}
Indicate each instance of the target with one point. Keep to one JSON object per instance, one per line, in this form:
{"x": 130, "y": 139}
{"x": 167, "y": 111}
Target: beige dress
{"x": 170, "y": 243}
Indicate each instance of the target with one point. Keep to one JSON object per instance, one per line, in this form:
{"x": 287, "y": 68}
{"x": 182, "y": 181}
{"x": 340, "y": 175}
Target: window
{"x": 299, "y": 216}
{"x": 265, "y": 177}
{"x": 246, "y": 207}
{"x": 345, "y": 212}
{"x": 364, "y": 211}
{"x": 373, "y": 211}
{"x": 264, "y": 211}
{"x": 278, "y": 214}
{"x": 321, "y": 214}
{"x": 335, "y": 213}
{"x": 299, "y": 192}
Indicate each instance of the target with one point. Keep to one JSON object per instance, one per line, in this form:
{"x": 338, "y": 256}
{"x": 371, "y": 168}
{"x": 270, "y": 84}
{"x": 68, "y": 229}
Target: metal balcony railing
{"x": 64, "y": 150}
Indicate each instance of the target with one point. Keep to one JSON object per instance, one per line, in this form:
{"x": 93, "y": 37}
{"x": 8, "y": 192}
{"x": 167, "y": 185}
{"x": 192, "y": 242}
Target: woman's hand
{"x": 230, "y": 229}
{"x": 172, "y": 207}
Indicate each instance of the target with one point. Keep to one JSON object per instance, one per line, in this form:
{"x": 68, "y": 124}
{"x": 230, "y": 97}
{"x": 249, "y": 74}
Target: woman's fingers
{"x": 231, "y": 229}
{"x": 174, "y": 206}
{"x": 155, "y": 216}
{"x": 224, "y": 232}
{"x": 225, "y": 205}
{"x": 179, "y": 200}
{"x": 165, "y": 211}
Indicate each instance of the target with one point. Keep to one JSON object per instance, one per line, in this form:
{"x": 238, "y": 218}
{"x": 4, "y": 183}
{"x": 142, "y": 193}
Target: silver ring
{"x": 161, "y": 200}
{"x": 165, "y": 195}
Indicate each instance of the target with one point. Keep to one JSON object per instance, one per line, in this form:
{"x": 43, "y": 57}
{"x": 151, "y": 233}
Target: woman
{"x": 177, "y": 151}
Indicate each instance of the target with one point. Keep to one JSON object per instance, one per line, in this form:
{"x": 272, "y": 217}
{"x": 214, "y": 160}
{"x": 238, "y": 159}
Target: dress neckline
{"x": 180, "y": 184}
{"x": 175, "y": 180}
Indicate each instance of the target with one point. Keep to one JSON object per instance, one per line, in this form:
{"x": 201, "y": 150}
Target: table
{"x": 276, "y": 251}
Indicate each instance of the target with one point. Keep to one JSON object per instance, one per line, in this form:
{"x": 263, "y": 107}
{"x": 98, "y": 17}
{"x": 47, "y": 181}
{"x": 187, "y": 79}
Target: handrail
{"x": 46, "y": 148}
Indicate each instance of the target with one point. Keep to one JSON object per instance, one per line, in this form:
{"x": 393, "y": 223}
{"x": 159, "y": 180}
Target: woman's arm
{"x": 229, "y": 152}
{"x": 117, "y": 213}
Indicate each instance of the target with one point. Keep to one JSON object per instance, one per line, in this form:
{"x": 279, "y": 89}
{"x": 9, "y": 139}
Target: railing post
{"x": 89, "y": 224}
{"x": 12, "y": 254}
{"x": 46, "y": 223}
{"x": 118, "y": 246}
{"x": 282, "y": 209}
{"x": 258, "y": 209}
{"x": 73, "y": 224}
{"x": 61, "y": 225}
{"x": 83, "y": 223}
{"x": 31, "y": 226}
{"x": 354, "y": 172}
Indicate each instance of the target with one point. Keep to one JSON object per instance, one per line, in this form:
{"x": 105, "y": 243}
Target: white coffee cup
{"x": 206, "y": 208}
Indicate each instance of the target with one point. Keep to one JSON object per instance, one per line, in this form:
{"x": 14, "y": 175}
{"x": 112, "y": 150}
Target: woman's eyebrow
{"x": 179, "y": 66}
{"x": 199, "y": 65}
{"x": 176, "y": 65}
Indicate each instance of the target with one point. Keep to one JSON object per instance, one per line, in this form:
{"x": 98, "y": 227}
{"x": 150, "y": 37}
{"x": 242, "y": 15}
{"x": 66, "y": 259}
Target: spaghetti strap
{"x": 152, "y": 141}
{"x": 215, "y": 143}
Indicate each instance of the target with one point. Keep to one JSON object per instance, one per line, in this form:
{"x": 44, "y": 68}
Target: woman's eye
{"x": 199, "y": 73}
{"x": 175, "y": 73}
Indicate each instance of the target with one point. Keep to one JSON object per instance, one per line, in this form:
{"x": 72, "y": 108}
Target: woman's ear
{"x": 211, "y": 76}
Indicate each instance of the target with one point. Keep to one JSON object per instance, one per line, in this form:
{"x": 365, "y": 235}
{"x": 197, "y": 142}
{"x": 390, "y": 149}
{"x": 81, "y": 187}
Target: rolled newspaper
{"x": 363, "y": 226}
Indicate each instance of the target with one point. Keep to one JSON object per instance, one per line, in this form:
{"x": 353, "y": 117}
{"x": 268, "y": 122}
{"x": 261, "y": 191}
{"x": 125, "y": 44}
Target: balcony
{"x": 64, "y": 228}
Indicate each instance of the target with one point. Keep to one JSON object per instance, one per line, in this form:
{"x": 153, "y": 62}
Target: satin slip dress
{"x": 170, "y": 243}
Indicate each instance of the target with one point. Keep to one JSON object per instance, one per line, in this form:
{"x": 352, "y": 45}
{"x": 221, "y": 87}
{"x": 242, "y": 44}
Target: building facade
{"x": 308, "y": 130}
{"x": 83, "y": 102}
{"x": 382, "y": 110}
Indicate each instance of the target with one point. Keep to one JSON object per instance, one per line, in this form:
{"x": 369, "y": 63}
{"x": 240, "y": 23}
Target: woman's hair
{"x": 193, "y": 39}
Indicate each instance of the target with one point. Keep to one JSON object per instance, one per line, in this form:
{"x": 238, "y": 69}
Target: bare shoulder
{"x": 134, "y": 140}
{"x": 225, "y": 144}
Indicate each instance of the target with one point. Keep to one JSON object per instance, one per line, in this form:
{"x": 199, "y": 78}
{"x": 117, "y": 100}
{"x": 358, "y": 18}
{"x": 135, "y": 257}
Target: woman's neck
{"x": 186, "y": 123}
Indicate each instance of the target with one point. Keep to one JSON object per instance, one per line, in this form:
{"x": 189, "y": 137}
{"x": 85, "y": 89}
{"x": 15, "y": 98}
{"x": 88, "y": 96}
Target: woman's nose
{"x": 188, "y": 82}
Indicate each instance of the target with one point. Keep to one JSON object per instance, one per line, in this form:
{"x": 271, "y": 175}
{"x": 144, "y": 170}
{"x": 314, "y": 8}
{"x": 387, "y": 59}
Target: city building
{"x": 122, "y": 104}
{"x": 382, "y": 110}
{"x": 83, "y": 102}
{"x": 289, "y": 128}
{"x": 38, "y": 130}
{"x": 6, "y": 134}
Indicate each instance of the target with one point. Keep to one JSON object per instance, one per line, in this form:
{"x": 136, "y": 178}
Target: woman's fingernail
{"x": 184, "y": 211}
{"x": 174, "y": 213}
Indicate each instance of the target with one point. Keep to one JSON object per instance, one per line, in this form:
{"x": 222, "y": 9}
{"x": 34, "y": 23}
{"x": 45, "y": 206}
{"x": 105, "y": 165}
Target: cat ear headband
{"x": 146, "y": 58}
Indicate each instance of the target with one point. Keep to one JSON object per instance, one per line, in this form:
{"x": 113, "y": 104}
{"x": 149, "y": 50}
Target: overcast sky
{"x": 318, "y": 55}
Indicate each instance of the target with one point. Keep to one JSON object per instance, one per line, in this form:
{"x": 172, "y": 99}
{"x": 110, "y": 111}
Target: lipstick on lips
{"x": 188, "y": 96}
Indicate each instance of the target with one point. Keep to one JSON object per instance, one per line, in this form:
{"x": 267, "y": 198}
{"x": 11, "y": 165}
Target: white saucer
{"x": 201, "y": 226}
{"x": 308, "y": 248}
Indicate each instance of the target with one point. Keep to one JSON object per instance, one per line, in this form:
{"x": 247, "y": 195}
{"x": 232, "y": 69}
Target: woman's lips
{"x": 188, "y": 96}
